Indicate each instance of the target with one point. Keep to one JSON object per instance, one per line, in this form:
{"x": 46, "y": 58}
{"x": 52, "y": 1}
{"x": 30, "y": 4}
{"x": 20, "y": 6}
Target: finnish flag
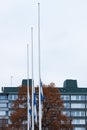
{"x": 41, "y": 97}
{"x": 35, "y": 107}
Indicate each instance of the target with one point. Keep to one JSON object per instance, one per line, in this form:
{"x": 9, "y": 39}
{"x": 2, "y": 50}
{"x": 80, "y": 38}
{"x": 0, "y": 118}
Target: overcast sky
{"x": 63, "y": 40}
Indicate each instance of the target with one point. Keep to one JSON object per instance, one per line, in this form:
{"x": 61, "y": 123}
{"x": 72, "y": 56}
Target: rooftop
{"x": 70, "y": 86}
{"x": 8, "y": 90}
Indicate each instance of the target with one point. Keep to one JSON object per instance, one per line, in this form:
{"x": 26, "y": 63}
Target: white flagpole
{"x": 40, "y": 123}
{"x": 11, "y": 81}
{"x": 32, "y": 80}
{"x": 28, "y": 116}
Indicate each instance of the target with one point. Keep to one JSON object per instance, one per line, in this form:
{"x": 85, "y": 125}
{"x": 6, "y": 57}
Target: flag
{"x": 41, "y": 91}
{"x": 30, "y": 112}
{"x": 41, "y": 97}
{"x": 35, "y": 107}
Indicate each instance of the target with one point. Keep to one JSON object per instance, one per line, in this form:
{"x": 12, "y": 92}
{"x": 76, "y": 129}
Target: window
{"x": 78, "y": 113}
{"x": 3, "y": 97}
{"x": 82, "y": 97}
{"x": 72, "y": 113}
{"x": 3, "y": 104}
{"x": 74, "y": 97}
{"x": 67, "y": 105}
{"x": 82, "y": 113}
{"x": 77, "y": 105}
{"x": 12, "y": 97}
{"x": 77, "y": 97}
{"x": 78, "y": 121}
{"x": 77, "y": 128}
{"x": 3, "y": 113}
{"x": 65, "y": 97}
{"x": 66, "y": 113}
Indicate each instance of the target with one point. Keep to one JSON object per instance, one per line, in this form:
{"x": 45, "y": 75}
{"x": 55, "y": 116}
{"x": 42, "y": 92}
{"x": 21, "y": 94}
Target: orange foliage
{"x": 19, "y": 106}
{"x": 52, "y": 118}
{"x": 52, "y": 110}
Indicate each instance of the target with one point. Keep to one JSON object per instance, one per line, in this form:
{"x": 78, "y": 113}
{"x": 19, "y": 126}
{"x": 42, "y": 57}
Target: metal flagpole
{"x": 28, "y": 118}
{"x": 11, "y": 81}
{"x": 32, "y": 80}
{"x": 40, "y": 123}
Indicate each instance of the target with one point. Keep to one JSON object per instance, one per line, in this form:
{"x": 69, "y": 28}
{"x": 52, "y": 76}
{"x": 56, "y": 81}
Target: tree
{"x": 53, "y": 117}
{"x": 52, "y": 110}
{"x": 19, "y": 106}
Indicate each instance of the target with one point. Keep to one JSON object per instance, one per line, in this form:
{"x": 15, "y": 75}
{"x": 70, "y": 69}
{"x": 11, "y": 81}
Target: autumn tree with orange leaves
{"x": 19, "y": 115}
{"x": 52, "y": 118}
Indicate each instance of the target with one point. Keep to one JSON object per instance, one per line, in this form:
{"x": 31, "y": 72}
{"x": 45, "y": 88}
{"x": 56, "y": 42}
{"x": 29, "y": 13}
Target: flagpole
{"x": 28, "y": 118}
{"x": 40, "y": 123}
{"x": 11, "y": 81}
{"x": 32, "y": 80}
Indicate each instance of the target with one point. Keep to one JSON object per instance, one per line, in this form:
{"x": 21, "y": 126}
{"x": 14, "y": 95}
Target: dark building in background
{"x": 7, "y": 96}
{"x": 75, "y": 102}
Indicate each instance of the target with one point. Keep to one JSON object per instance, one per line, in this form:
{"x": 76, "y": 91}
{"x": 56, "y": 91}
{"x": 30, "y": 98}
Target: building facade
{"x": 7, "y": 96}
{"x": 75, "y": 103}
